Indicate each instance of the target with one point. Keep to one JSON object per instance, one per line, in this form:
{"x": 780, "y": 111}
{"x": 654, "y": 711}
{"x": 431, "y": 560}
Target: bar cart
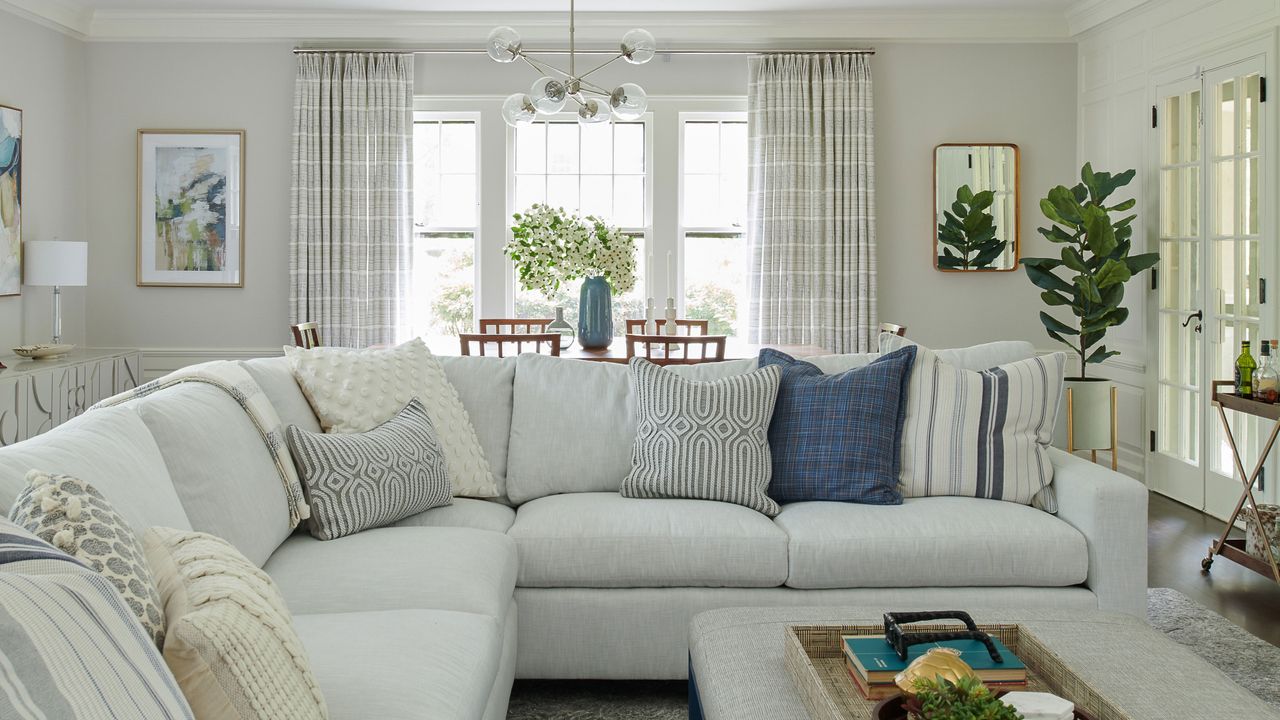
{"x": 1234, "y": 548}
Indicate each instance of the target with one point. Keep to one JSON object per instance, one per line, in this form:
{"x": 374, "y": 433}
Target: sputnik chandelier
{"x": 551, "y": 92}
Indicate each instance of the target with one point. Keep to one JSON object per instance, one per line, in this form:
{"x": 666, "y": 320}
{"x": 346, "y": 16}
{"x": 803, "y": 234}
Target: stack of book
{"x": 873, "y": 664}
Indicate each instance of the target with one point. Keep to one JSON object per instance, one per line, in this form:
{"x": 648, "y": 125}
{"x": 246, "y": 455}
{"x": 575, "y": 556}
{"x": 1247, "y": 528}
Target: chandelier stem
{"x": 571, "y": 39}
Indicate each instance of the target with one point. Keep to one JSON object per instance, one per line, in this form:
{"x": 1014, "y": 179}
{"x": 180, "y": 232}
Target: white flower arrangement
{"x": 551, "y": 247}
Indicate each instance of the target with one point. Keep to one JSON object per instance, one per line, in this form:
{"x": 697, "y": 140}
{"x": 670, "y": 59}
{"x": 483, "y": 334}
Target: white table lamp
{"x": 58, "y": 264}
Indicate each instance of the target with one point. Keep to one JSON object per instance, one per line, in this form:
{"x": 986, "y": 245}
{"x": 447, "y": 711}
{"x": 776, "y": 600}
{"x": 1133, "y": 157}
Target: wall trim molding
{"x": 596, "y": 29}
{"x": 1084, "y": 15}
{"x": 65, "y": 17}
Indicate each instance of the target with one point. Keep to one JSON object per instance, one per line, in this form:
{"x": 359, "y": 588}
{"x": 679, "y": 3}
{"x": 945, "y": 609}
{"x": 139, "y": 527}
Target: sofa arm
{"x": 1110, "y": 510}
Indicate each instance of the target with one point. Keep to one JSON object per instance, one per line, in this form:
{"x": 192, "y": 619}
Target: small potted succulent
{"x": 964, "y": 699}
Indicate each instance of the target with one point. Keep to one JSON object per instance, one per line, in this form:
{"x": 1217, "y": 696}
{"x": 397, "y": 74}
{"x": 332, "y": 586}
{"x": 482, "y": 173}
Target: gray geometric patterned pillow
{"x": 703, "y": 440}
{"x": 72, "y": 515}
{"x": 365, "y": 480}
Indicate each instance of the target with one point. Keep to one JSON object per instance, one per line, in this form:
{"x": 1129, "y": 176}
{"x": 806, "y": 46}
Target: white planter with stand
{"x": 1091, "y": 416}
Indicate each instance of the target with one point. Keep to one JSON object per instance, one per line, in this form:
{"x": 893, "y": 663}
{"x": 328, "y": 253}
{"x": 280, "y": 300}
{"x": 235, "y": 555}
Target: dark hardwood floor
{"x": 1178, "y": 538}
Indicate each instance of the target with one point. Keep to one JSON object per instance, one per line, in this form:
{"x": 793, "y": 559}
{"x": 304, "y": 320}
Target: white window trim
{"x": 681, "y": 229}
{"x": 475, "y": 117}
{"x": 646, "y": 231}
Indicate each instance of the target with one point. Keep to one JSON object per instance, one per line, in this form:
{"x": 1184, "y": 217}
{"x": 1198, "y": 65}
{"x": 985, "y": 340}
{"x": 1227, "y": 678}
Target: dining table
{"x": 734, "y": 349}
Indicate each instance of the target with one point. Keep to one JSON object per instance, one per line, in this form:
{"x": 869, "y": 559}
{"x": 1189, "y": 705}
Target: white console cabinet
{"x": 37, "y": 395}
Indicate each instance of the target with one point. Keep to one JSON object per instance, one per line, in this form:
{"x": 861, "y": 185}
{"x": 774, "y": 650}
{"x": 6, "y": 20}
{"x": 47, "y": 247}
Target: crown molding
{"x": 727, "y": 30}
{"x": 1085, "y": 15}
{"x": 66, "y": 17}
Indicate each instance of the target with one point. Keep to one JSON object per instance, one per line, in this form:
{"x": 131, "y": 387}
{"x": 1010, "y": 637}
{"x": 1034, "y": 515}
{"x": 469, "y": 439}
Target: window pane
{"x": 628, "y": 148}
{"x": 458, "y": 201}
{"x": 597, "y": 196}
{"x": 530, "y": 190}
{"x": 562, "y": 148}
{"x": 701, "y": 147}
{"x": 733, "y": 148}
{"x": 628, "y": 201}
{"x": 458, "y": 147}
{"x": 531, "y": 148}
{"x": 1226, "y": 144}
{"x": 715, "y": 276}
{"x": 597, "y": 149}
{"x": 701, "y": 200}
{"x": 562, "y": 192}
{"x": 443, "y": 283}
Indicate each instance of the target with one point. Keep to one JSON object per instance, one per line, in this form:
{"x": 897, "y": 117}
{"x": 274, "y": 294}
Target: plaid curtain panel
{"x": 811, "y": 224}
{"x": 351, "y": 214}
{"x": 837, "y": 437}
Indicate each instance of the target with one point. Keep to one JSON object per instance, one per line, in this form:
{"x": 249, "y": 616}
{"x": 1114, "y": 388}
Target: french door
{"x": 1213, "y": 167}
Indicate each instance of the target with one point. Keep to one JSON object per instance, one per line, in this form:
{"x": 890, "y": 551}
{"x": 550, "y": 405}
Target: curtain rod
{"x": 481, "y": 51}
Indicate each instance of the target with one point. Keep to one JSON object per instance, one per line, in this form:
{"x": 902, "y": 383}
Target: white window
{"x": 713, "y": 210}
{"x": 601, "y": 170}
{"x": 445, "y": 222}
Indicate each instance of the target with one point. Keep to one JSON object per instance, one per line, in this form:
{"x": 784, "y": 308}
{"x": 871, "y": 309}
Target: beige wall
{"x": 45, "y": 77}
{"x": 1023, "y": 96}
{"x": 934, "y": 93}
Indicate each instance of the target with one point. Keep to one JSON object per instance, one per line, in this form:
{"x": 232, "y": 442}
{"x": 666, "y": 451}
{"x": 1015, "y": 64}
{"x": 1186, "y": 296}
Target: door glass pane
{"x": 1193, "y": 128}
{"x": 1250, "y": 124}
{"x": 1171, "y": 203}
{"x": 1226, "y": 124}
{"x": 1173, "y": 131}
{"x": 1224, "y": 197}
{"x": 1249, "y": 195}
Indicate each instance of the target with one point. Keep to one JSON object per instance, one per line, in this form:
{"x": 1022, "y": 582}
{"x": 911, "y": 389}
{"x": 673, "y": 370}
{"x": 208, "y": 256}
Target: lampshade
{"x": 56, "y": 262}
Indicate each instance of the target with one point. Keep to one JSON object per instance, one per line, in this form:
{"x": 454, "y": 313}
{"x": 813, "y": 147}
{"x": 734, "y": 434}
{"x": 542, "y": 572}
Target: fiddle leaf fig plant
{"x": 1096, "y": 257}
{"x": 968, "y": 232}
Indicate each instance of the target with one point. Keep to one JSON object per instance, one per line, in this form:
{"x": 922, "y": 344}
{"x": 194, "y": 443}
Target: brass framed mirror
{"x": 976, "y": 208}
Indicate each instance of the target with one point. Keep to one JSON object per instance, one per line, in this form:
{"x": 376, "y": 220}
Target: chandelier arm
{"x": 542, "y": 67}
{"x": 601, "y": 66}
{"x": 595, "y": 88}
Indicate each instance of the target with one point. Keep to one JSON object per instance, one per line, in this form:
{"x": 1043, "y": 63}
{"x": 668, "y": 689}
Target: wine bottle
{"x": 1245, "y": 365}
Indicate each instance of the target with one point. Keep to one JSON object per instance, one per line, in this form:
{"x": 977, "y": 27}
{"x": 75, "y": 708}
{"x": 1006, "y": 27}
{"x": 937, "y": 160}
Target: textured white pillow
{"x": 356, "y": 390}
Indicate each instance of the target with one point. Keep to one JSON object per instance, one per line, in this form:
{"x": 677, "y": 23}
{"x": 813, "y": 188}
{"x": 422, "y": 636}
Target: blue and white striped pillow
{"x": 982, "y": 434}
{"x": 69, "y": 646}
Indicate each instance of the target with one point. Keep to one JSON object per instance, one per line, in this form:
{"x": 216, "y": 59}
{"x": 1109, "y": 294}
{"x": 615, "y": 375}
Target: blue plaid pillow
{"x": 838, "y": 437}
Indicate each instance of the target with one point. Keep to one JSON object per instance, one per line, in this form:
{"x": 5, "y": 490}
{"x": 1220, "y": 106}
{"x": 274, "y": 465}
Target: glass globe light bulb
{"x": 518, "y": 110}
{"x": 592, "y": 111}
{"x": 549, "y": 95}
{"x": 638, "y": 46}
{"x": 503, "y": 44}
{"x": 628, "y": 101}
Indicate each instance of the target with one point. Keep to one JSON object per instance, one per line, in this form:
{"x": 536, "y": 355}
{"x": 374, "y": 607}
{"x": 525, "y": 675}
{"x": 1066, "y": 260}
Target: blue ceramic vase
{"x": 595, "y": 314}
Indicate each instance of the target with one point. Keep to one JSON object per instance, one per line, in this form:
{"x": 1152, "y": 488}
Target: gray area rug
{"x": 1251, "y": 662}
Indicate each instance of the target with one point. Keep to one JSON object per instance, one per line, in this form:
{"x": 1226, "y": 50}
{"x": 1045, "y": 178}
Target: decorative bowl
{"x": 900, "y": 707}
{"x": 42, "y": 351}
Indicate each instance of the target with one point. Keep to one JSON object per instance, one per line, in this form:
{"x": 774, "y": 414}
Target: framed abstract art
{"x": 10, "y": 200}
{"x": 191, "y": 208}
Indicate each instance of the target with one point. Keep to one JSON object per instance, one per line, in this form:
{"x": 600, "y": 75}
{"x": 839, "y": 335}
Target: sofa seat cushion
{"x": 424, "y": 568}
{"x": 930, "y": 542}
{"x": 605, "y": 540}
{"x": 465, "y": 513}
{"x": 403, "y": 663}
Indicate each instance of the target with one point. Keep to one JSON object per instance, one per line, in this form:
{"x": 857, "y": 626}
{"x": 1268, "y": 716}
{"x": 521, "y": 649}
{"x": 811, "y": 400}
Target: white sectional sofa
{"x": 562, "y": 577}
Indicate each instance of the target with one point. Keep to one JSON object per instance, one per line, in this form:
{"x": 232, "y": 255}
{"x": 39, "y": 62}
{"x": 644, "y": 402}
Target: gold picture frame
{"x": 190, "y": 209}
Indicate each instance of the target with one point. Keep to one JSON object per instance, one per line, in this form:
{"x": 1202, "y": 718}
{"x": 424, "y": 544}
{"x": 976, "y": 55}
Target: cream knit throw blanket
{"x": 240, "y": 385}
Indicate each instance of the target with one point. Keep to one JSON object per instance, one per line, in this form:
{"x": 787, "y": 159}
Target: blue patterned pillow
{"x": 838, "y": 437}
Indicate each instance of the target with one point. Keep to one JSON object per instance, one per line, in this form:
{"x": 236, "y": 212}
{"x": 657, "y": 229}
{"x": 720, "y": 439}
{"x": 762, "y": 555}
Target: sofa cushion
{"x": 226, "y": 478}
{"x": 403, "y": 664}
{"x": 465, "y": 513}
{"x": 431, "y": 568}
{"x": 357, "y": 481}
{"x": 930, "y": 542}
{"x": 484, "y": 386}
{"x": 110, "y": 448}
{"x": 275, "y": 377}
{"x": 606, "y": 540}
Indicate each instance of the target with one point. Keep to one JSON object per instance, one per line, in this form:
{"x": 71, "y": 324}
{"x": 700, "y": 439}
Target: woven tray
{"x": 816, "y": 665}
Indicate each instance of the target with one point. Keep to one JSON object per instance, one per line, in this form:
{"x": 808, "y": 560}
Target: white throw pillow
{"x": 354, "y": 391}
{"x": 982, "y": 434}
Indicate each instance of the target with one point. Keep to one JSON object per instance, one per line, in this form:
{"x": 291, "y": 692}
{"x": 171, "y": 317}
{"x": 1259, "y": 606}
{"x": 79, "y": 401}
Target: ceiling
{"x": 736, "y": 24}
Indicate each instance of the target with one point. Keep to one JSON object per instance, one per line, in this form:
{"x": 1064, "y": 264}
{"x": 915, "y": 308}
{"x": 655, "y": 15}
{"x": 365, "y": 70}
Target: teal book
{"x": 879, "y": 663}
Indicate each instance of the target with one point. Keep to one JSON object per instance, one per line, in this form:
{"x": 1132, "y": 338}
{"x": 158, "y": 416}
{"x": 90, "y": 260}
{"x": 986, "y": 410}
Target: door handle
{"x": 1198, "y": 316}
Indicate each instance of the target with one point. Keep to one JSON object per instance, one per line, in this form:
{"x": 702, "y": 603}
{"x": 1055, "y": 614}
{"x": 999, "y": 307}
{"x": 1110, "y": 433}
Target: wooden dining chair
{"x": 502, "y": 341}
{"x": 888, "y": 327}
{"x": 306, "y": 335}
{"x": 684, "y": 326}
{"x": 676, "y": 349}
{"x": 511, "y": 326}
